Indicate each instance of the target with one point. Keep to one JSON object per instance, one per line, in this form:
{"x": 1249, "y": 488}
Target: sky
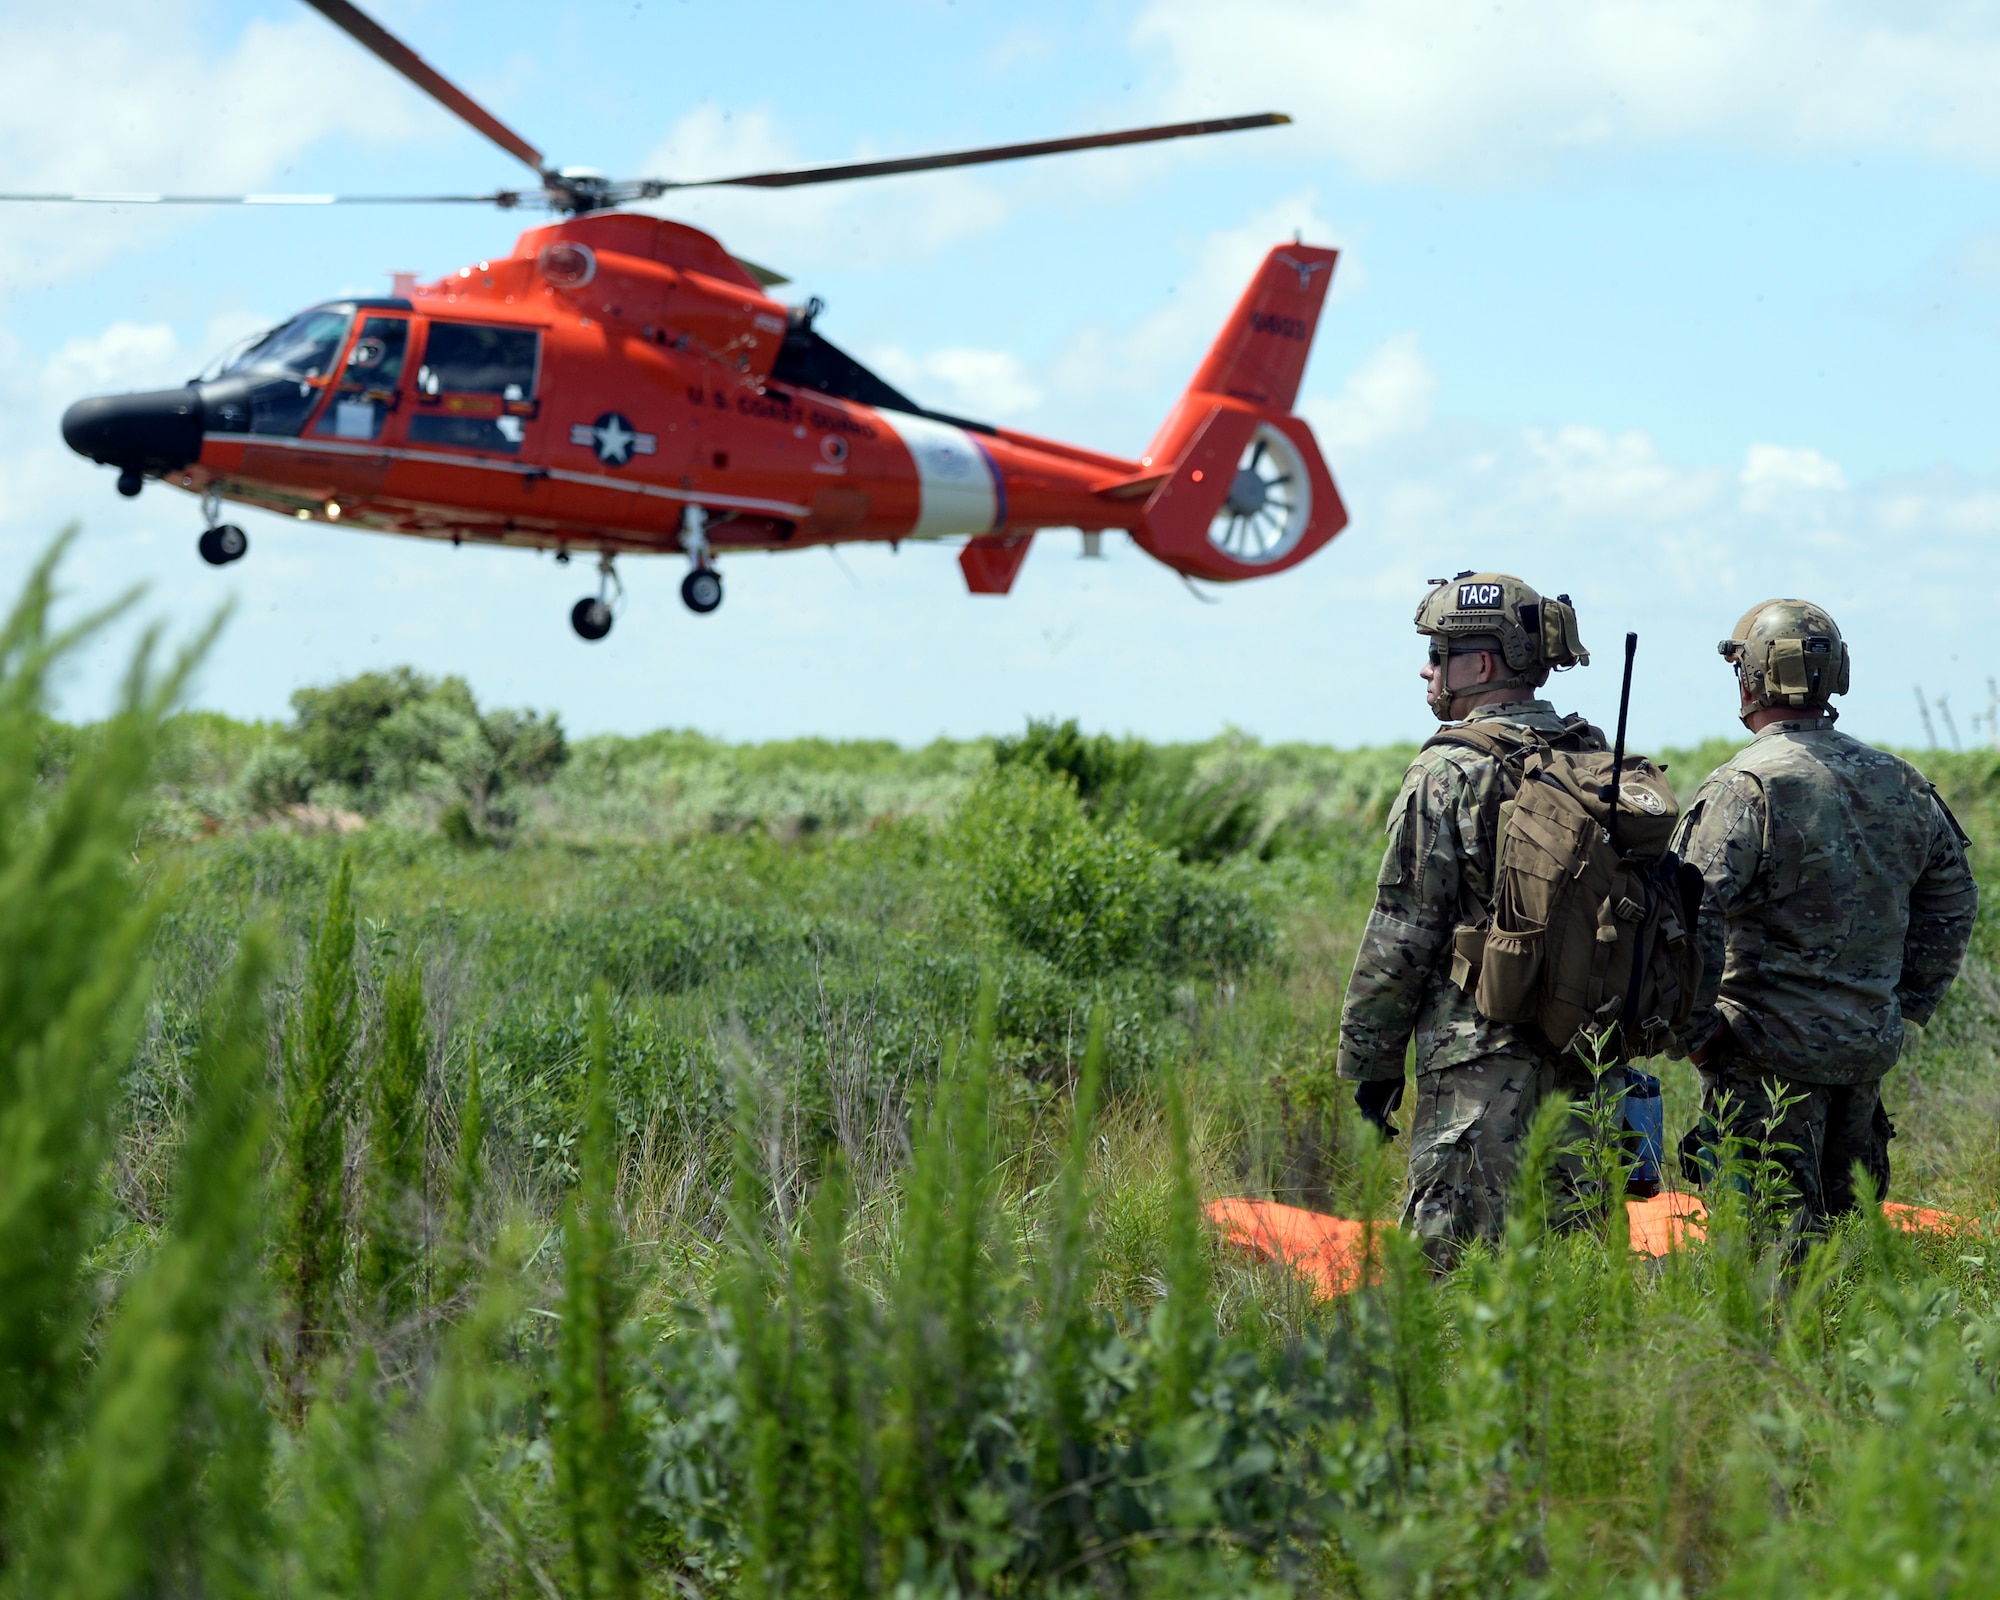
{"x": 1669, "y": 305}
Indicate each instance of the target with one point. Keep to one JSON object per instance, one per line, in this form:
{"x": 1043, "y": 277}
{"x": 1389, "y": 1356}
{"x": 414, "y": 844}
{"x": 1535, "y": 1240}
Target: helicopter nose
{"x": 137, "y": 433}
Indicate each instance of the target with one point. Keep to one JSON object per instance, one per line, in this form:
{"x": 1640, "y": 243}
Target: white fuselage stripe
{"x": 955, "y": 477}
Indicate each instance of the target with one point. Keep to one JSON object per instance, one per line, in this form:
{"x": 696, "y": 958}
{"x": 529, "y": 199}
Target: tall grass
{"x": 393, "y": 1251}
{"x": 319, "y": 1048}
{"x": 595, "y": 1465}
{"x": 730, "y": 1206}
{"x": 72, "y": 945}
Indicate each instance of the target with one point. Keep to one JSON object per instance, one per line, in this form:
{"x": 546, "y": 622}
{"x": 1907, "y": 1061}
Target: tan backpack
{"x": 1583, "y": 939}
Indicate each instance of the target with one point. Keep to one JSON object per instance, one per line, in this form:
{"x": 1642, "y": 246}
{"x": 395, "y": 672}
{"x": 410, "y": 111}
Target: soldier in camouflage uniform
{"x": 1838, "y": 906}
{"x": 1493, "y": 642}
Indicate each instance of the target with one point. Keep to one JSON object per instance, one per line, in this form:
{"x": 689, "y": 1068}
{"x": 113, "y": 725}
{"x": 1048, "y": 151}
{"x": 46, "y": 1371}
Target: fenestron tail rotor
{"x": 1269, "y": 502}
{"x": 579, "y": 189}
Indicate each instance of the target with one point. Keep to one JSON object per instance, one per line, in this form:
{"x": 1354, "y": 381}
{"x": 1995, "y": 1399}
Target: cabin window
{"x": 476, "y": 386}
{"x": 280, "y": 378}
{"x": 367, "y": 391}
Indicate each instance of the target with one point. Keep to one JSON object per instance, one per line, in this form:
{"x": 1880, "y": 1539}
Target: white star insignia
{"x": 614, "y": 440}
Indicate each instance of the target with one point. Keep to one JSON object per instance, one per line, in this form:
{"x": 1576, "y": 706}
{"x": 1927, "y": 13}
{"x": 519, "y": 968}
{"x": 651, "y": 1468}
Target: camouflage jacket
{"x": 1839, "y": 902}
{"x": 1437, "y": 875}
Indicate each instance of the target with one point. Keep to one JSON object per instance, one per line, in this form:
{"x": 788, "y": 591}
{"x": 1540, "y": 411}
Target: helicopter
{"x": 620, "y": 383}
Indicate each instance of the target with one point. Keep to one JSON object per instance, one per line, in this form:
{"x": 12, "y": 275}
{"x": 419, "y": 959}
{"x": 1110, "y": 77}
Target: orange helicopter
{"x": 621, "y": 383}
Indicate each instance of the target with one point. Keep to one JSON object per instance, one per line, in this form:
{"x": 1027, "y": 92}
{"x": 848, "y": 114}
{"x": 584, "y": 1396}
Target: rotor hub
{"x": 1248, "y": 494}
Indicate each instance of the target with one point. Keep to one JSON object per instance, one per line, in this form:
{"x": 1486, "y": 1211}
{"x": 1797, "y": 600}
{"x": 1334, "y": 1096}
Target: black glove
{"x": 1377, "y": 1098}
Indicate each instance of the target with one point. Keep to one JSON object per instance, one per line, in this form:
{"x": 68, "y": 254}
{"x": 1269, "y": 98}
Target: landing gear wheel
{"x": 702, "y": 590}
{"x": 220, "y": 546}
{"x": 591, "y": 618}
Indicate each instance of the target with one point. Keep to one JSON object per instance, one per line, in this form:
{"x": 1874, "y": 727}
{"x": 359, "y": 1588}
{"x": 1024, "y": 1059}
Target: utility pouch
{"x": 1468, "y": 954}
{"x": 1510, "y": 980}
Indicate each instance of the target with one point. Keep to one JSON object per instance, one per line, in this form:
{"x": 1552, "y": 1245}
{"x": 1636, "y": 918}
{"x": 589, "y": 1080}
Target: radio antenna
{"x": 1618, "y": 746}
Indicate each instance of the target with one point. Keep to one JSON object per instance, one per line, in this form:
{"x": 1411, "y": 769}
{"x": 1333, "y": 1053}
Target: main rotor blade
{"x": 371, "y": 35}
{"x": 974, "y": 158}
{"x": 504, "y": 198}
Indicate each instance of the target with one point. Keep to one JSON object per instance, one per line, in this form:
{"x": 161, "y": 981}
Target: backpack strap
{"x": 1508, "y": 745}
{"x": 1511, "y": 747}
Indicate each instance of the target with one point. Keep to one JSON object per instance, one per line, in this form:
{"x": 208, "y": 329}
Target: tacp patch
{"x": 1479, "y": 597}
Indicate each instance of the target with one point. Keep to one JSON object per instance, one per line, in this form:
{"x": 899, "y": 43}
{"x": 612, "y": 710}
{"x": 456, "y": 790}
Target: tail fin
{"x": 1241, "y": 488}
{"x": 1260, "y": 355}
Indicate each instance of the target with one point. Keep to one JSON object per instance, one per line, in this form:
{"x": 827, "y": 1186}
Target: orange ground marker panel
{"x": 1328, "y": 1251}
{"x": 1921, "y": 1219}
{"x": 1666, "y": 1222}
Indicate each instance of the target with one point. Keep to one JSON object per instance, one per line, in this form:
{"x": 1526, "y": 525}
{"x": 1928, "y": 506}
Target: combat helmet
{"x": 1787, "y": 653}
{"x": 1493, "y": 611}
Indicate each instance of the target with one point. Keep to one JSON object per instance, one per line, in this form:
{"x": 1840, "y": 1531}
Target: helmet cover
{"x": 1787, "y": 653}
{"x": 1496, "y": 612}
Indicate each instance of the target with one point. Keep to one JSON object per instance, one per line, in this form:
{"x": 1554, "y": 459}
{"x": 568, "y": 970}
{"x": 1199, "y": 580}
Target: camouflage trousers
{"x": 1467, "y": 1132}
{"x": 1819, "y": 1140}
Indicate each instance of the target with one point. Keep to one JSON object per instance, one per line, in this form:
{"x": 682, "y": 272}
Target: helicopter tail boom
{"x": 1237, "y": 487}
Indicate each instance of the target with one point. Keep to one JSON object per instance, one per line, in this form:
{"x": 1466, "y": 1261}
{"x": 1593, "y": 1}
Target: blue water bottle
{"x": 1645, "y": 1132}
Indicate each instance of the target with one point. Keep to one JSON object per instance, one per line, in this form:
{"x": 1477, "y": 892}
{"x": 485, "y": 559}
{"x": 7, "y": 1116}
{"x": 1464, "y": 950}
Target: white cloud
{"x": 126, "y": 355}
{"x": 1587, "y": 472}
{"x": 1140, "y": 367}
{"x": 1671, "y": 548}
{"x": 1387, "y": 397}
{"x": 869, "y": 224}
{"x": 1468, "y": 90}
{"x": 1774, "y": 472}
{"x": 974, "y": 383}
{"x": 1782, "y": 466}
{"x": 133, "y": 95}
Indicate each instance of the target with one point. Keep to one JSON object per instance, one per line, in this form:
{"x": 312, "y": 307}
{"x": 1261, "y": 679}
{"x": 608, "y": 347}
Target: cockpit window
{"x": 369, "y": 382}
{"x": 464, "y": 358}
{"x": 305, "y": 347}
{"x": 476, "y": 386}
{"x": 278, "y": 380}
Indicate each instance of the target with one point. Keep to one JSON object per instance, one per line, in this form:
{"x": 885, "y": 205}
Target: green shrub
{"x": 277, "y": 774}
{"x": 1103, "y": 771}
{"x": 1091, "y": 898}
{"x": 336, "y": 727}
{"x": 1086, "y": 899}
{"x": 1210, "y": 926}
{"x": 381, "y": 735}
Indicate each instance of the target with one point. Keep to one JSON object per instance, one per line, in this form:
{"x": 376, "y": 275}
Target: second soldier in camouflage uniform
{"x": 1838, "y": 906}
{"x": 1493, "y": 642}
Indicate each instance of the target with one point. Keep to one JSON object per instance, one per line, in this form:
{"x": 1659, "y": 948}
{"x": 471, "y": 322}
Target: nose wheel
{"x": 591, "y": 616}
{"x": 220, "y": 546}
